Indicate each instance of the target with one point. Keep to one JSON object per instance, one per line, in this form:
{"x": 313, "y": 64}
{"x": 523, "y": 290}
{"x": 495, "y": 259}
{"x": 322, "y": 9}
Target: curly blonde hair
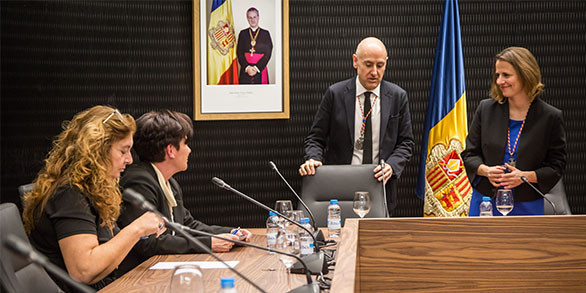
{"x": 526, "y": 67}
{"x": 81, "y": 158}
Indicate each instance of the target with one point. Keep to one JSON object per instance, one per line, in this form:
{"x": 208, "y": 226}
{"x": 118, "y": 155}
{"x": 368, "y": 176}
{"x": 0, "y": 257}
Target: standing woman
{"x": 71, "y": 212}
{"x": 515, "y": 134}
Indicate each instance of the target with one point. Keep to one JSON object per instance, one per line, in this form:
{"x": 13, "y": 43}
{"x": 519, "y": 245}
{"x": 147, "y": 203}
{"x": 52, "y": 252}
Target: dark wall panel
{"x": 59, "y": 57}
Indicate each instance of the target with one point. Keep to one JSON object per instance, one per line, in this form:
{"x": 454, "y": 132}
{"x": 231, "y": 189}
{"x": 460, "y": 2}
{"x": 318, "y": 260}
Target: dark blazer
{"x": 142, "y": 178}
{"x": 541, "y": 147}
{"x": 333, "y": 129}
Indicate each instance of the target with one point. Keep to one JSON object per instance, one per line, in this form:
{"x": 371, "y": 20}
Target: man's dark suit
{"x": 333, "y": 127}
{"x": 142, "y": 178}
{"x": 542, "y": 146}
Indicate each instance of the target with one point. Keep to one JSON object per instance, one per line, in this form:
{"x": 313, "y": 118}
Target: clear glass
{"x": 362, "y": 203}
{"x": 187, "y": 278}
{"x": 504, "y": 201}
{"x": 287, "y": 246}
{"x": 283, "y": 206}
{"x": 295, "y": 215}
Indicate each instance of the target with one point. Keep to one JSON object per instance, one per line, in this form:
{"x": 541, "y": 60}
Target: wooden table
{"x": 259, "y": 266}
{"x": 492, "y": 254}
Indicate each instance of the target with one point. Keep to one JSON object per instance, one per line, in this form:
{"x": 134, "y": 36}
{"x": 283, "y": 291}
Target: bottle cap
{"x": 271, "y": 213}
{"x": 486, "y": 198}
{"x": 333, "y": 201}
{"x": 227, "y": 282}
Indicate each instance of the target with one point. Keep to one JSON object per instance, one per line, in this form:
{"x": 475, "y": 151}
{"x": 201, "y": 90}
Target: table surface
{"x": 259, "y": 266}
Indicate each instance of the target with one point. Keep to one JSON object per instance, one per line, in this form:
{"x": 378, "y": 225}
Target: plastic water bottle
{"x": 486, "y": 207}
{"x": 227, "y": 285}
{"x": 305, "y": 239}
{"x": 272, "y": 230}
{"x": 334, "y": 219}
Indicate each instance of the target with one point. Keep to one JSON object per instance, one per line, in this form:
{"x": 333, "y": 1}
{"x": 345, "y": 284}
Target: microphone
{"x": 310, "y": 287}
{"x": 138, "y": 200}
{"x": 382, "y": 165}
{"x": 315, "y": 262}
{"x": 540, "y": 193}
{"x": 319, "y": 235}
{"x": 18, "y": 246}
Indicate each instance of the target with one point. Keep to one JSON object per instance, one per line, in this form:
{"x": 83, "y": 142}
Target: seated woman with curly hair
{"x": 71, "y": 212}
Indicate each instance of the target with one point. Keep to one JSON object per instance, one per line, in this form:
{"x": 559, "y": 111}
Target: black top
{"x": 541, "y": 148}
{"x": 68, "y": 212}
{"x": 142, "y": 178}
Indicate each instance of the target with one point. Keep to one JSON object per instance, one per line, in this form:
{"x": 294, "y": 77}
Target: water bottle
{"x": 227, "y": 285}
{"x": 486, "y": 207}
{"x": 305, "y": 239}
{"x": 272, "y": 230}
{"x": 334, "y": 219}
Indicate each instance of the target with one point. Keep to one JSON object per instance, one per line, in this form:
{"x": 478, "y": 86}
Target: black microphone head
{"x": 219, "y": 182}
{"x": 273, "y": 166}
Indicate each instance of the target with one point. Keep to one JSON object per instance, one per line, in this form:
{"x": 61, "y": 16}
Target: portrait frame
{"x": 242, "y": 101}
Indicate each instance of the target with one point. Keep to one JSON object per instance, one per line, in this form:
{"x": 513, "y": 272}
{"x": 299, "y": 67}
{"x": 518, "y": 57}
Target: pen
{"x": 236, "y": 231}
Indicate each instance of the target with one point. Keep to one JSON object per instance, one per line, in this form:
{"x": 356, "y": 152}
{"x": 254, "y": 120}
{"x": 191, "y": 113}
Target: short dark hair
{"x": 252, "y": 9}
{"x": 158, "y": 129}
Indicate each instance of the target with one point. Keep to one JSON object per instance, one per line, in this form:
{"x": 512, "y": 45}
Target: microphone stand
{"x": 382, "y": 165}
{"x": 18, "y": 246}
{"x": 318, "y": 234}
{"x": 540, "y": 193}
{"x": 138, "y": 200}
{"x": 308, "y": 288}
{"x": 316, "y": 261}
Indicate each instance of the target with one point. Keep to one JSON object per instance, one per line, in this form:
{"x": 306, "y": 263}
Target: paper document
{"x": 170, "y": 265}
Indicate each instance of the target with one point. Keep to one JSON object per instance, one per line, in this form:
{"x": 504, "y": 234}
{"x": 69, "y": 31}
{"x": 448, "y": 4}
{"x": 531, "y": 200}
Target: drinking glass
{"x": 283, "y": 206}
{"x": 287, "y": 246}
{"x": 187, "y": 278}
{"x": 295, "y": 215}
{"x": 504, "y": 201}
{"x": 362, "y": 203}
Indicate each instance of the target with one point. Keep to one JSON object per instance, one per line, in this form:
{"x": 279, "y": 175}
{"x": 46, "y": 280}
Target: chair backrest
{"x": 341, "y": 182}
{"x": 17, "y": 273}
{"x": 24, "y": 189}
{"x": 558, "y": 196}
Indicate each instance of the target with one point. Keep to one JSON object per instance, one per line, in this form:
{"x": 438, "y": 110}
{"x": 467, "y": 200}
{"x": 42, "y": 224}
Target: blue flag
{"x": 442, "y": 180}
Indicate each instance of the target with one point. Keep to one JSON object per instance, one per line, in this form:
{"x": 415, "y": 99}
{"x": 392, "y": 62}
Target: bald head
{"x": 370, "y": 61}
{"x": 370, "y": 44}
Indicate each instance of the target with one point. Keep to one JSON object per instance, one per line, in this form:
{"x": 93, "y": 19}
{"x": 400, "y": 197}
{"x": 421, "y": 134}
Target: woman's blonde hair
{"x": 81, "y": 158}
{"x": 525, "y": 66}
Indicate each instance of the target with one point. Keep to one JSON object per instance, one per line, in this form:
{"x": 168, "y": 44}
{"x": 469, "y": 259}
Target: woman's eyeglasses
{"x": 117, "y": 114}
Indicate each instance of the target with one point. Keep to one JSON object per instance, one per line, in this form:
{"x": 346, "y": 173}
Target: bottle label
{"x": 306, "y": 247}
{"x": 272, "y": 238}
{"x": 334, "y": 223}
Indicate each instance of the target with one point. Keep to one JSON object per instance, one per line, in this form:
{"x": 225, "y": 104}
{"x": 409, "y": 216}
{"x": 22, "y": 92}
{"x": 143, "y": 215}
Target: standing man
{"x": 161, "y": 143}
{"x": 254, "y": 51}
{"x": 363, "y": 120}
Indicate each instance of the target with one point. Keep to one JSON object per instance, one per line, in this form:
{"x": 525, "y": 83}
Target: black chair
{"x": 341, "y": 182}
{"x": 17, "y": 273}
{"x": 24, "y": 189}
{"x": 558, "y": 196}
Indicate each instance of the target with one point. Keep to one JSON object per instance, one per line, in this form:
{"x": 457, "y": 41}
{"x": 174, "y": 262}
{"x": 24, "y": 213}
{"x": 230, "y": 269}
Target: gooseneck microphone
{"x": 18, "y": 246}
{"x": 319, "y": 235}
{"x": 310, "y": 287}
{"x": 315, "y": 262}
{"x": 138, "y": 201}
{"x": 540, "y": 193}
{"x": 382, "y": 166}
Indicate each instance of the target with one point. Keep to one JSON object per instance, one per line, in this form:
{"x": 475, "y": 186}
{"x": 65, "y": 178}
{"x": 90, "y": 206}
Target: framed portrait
{"x": 241, "y": 59}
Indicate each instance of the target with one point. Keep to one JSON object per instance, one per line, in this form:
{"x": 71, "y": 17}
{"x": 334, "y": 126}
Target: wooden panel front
{"x": 500, "y": 254}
